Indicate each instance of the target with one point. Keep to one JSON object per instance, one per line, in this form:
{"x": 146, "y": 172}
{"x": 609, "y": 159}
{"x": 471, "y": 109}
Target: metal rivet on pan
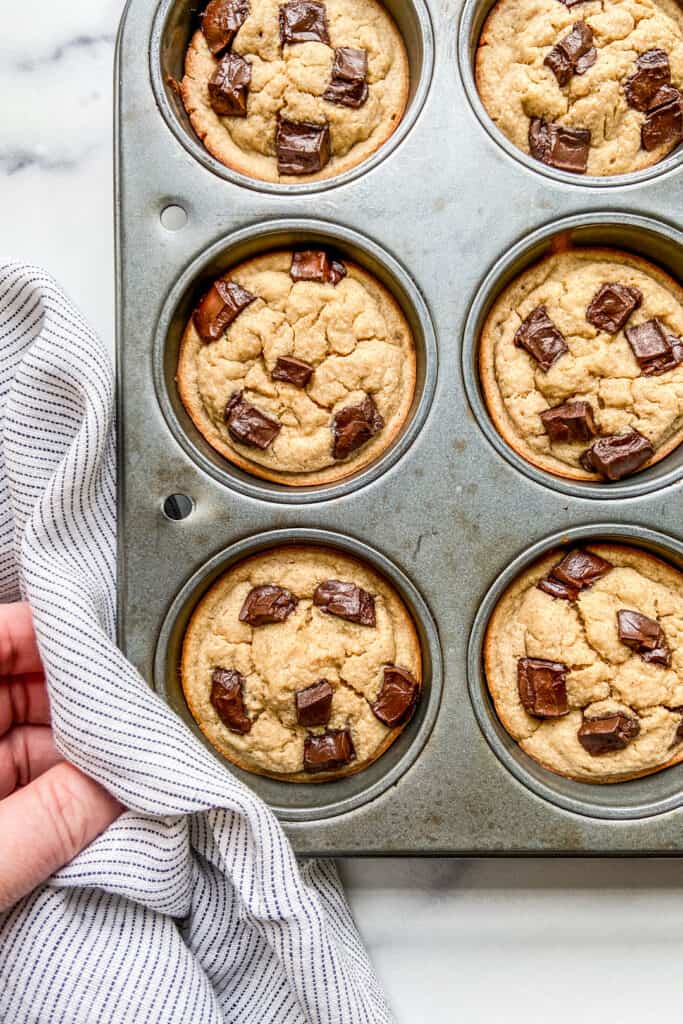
{"x": 173, "y": 217}
{"x": 177, "y": 507}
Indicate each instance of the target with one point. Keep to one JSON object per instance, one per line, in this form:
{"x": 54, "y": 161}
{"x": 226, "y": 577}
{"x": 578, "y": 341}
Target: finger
{"x": 23, "y": 700}
{"x": 44, "y": 826}
{"x": 25, "y": 753}
{"x": 18, "y": 646}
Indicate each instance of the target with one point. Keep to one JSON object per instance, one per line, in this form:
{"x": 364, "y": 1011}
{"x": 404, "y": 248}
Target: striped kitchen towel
{"x": 191, "y": 907}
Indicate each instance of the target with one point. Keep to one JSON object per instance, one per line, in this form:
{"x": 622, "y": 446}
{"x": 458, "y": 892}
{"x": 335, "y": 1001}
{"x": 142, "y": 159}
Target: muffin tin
{"x": 444, "y": 214}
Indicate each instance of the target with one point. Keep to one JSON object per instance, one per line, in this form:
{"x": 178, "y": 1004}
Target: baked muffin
{"x": 301, "y": 663}
{"x": 298, "y": 367}
{"x": 301, "y": 90}
{"x": 588, "y": 87}
{"x": 580, "y": 364}
{"x": 584, "y": 662}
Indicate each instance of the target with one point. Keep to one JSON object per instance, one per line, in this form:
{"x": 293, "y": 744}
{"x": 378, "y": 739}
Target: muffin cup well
{"x": 313, "y": 801}
{"x": 636, "y": 798}
{"x": 174, "y": 24}
{"x": 251, "y": 242}
{"x": 655, "y": 241}
{"x": 472, "y": 20}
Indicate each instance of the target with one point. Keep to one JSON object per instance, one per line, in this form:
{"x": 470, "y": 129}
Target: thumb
{"x": 44, "y": 825}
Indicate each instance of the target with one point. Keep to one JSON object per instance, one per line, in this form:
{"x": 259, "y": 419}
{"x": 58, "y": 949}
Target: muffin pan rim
{"x": 413, "y": 736}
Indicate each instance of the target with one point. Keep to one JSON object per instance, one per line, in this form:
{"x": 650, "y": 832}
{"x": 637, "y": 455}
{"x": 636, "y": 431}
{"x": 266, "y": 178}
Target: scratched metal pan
{"x": 445, "y": 214}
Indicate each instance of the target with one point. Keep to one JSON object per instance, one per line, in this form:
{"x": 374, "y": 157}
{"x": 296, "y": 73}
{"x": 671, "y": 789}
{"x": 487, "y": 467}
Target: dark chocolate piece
{"x": 654, "y": 349}
{"x": 612, "y": 305}
{"x": 292, "y": 371}
{"x": 574, "y": 54}
{"x": 227, "y": 686}
{"x": 572, "y": 421}
{"x": 397, "y": 699}
{"x": 327, "y": 753}
{"x": 348, "y": 84}
{"x": 664, "y": 119}
{"x": 564, "y": 148}
{"x": 652, "y": 72}
{"x": 644, "y": 635}
{"x": 229, "y": 86}
{"x": 248, "y": 425}
{"x": 606, "y": 733}
{"x": 347, "y": 600}
{"x": 616, "y": 456}
{"x": 572, "y": 3}
{"x": 267, "y": 604}
{"x": 577, "y": 571}
{"x": 303, "y": 21}
{"x": 541, "y": 338}
{"x": 353, "y": 426}
{"x": 316, "y": 265}
{"x": 542, "y": 687}
{"x": 302, "y": 147}
{"x": 221, "y": 22}
{"x": 314, "y": 703}
{"x": 223, "y": 302}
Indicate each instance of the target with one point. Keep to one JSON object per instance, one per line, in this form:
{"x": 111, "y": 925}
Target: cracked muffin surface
{"x": 611, "y": 683}
{"x": 594, "y": 365}
{"x": 349, "y": 339}
{"x": 300, "y": 81}
{"x": 519, "y": 84}
{"x": 308, "y": 645}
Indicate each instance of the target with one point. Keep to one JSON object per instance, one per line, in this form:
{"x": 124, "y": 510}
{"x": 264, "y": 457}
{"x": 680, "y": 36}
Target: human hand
{"x": 49, "y": 810}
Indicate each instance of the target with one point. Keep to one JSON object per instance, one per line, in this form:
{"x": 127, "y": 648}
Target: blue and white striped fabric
{"x": 191, "y": 907}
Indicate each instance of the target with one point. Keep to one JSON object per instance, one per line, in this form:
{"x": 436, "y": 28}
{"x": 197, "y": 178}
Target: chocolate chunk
{"x": 316, "y": 265}
{"x": 292, "y": 371}
{"x": 542, "y": 687}
{"x": 302, "y": 147}
{"x": 652, "y": 72}
{"x": 572, "y": 3}
{"x": 664, "y": 119}
{"x": 266, "y": 604}
{"x": 303, "y": 21}
{"x": 353, "y": 425}
{"x": 560, "y": 147}
{"x": 314, "y": 703}
{"x": 248, "y": 425}
{"x": 572, "y": 421}
{"x": 644, "y": 635}
{"x": 229, "y": 86}
{"x": 221, "y": 22}
{"x": 397, "y": 699}
{"x": 223, "y": 302}
{"x": 616, "y": 456}
{"x": 574, "y": 54}
{"x": 606, "y": 733}
{"x": 656, "y": 351}
{"x": 541, "y": 338}
{"x": 348, "y": 84}
{"x": 346, "y": 600}
{"x": 577, "y": 571}
{"x": 612, "y": 305}
{"x": 328, "y": 752}
{"x": 227, "y": 686}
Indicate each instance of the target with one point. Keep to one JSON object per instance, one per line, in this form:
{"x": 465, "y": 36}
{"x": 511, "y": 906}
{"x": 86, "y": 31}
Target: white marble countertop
{"x": 470, "y": 941}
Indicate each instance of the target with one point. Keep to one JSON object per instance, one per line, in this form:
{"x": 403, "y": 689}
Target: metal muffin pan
{"x": 474, "y": 15}
{"x": 177, "y": 20}
{"x": 302, "y": 801}
{"x": 435, "y": 209}
{"x": 261, "y": 238}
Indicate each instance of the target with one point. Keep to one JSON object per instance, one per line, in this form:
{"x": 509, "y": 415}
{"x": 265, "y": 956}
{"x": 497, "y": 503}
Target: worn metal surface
{"x": 451, "y": 508}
